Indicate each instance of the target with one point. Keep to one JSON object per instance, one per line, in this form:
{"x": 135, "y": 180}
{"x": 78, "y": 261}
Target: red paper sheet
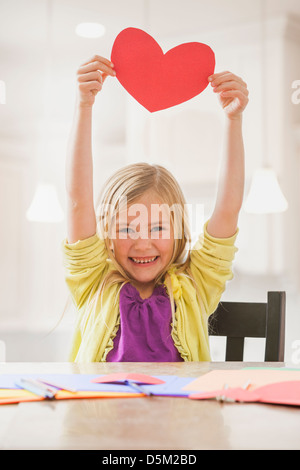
{"x": 157, "y": 80}
{"x": 280, "y": 393}
{"x": 121, "y": 377}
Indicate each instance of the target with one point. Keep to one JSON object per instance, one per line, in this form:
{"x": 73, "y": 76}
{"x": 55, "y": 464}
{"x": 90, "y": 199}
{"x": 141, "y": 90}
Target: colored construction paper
{"x": 279, "y": 393}
{"x": 282, "y": 393}
{"x": 235, "y": 394}
{"x": 17, "y": 395}
{"x": 156, "y": 80}
{"x": 64, "y": 395}
{"x": 167, "y": 385}
{"x": 14, "y": 400}
{"x": 159, "y": 386}
{"x": 164, "y": 386}
{"x": 77, "y": 382}
{"x": 121, "y": 377}
{"x": 173, "y": 387}
{"x": 10, "y": 396}
{"x": 217, "y": 379}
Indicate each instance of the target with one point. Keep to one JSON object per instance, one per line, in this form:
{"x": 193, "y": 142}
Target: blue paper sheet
{"x": 83, "y": 382}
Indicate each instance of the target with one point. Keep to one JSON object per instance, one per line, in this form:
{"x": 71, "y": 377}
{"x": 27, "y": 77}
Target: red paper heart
{"x": 157, "y": 80}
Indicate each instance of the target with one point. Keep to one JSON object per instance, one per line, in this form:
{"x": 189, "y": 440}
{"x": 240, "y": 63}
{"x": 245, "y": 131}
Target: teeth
{"x": 144, "y": 260}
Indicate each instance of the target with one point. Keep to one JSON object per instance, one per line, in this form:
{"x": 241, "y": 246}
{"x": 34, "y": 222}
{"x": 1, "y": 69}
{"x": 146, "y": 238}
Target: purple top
{"x": 144, "y": 334}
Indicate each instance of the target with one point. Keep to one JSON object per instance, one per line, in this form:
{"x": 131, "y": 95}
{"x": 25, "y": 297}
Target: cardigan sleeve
{"x": 85, "y": 262}
{"x": 211, "y": 267}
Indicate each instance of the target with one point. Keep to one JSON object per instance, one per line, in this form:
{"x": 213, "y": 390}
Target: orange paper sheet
{"x": 10, "y": 396}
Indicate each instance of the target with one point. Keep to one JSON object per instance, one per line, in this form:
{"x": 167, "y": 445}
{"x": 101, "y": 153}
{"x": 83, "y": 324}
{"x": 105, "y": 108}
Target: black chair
{"x": 240, "y": 320}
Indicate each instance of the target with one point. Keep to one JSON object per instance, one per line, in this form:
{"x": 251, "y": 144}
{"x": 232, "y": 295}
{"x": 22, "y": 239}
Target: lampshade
{"x": 45, "y": 206}
{"x": 265, "y": 195}
{"x": 90, "y": 30}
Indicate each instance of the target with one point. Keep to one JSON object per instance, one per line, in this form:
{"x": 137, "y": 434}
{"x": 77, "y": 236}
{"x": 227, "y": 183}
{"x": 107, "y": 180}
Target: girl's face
{"x": 143, "y": 240}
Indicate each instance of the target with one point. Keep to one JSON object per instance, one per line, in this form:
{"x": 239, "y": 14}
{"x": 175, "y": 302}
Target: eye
{"x": 126, "y": 230}
{"x": 157, "y": 228}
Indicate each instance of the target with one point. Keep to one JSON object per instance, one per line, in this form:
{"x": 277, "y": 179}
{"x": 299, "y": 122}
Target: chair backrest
{"x": 240, "y": 320}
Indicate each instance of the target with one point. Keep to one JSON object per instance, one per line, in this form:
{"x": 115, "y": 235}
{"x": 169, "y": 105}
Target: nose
{"x": 143, "y": 241}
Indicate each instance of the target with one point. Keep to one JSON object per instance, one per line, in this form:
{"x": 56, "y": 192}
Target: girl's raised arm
{"x": 233, "y": 96}
{"x": 81, "y": 219}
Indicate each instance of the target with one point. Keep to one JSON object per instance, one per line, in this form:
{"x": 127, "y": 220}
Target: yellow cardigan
{"x": 86, "y": 263}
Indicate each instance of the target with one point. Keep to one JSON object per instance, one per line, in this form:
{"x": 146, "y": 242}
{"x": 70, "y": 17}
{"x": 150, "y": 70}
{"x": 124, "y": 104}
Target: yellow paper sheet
{"x": 63, "y": 395}
{"x": 217, "y": 379}
{"x": 15, "y": 395}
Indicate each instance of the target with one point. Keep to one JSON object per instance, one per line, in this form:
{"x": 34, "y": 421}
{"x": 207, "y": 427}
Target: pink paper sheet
{"x": 279, "y": 393}
{"x": 217, "y": 379}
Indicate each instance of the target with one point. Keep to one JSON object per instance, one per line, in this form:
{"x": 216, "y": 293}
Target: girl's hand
{"x": 90, "y": 78}
{"x": 232, "y": 92}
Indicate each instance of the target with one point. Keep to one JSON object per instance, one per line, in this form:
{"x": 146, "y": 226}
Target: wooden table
{"x": 145, "y": 423}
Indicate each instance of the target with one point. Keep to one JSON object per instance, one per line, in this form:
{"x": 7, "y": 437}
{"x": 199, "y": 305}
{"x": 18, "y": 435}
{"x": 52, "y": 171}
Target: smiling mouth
{"x": 144, "y": 260}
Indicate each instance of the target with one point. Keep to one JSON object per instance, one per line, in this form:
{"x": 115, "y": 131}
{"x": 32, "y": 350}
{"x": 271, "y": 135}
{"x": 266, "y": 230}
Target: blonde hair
{"x": 130, "y": 183}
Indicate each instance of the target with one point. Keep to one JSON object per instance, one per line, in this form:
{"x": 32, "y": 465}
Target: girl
{"x": 142, "y": 294}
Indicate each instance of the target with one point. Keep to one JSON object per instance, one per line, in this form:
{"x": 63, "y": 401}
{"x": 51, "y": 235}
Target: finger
{"x": 98, "y": 58}
{"x": 214, "y": 76}
{"x": 90, "y": 86}
{"x": 231, "y": 85}
{"x": 225, "y": 77}
{"x": 90, "y": 76}
{"x": 218, "y": 74}
{"x": 236, "y": 94}
{"x": 96, "y": 65}
{"x": 221, "y": 75}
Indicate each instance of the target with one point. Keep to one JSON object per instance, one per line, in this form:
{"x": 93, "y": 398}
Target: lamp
{"x": 265, "y": 195}
{"x": 90, "y": 30}
{"x": 45, "y": 206}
